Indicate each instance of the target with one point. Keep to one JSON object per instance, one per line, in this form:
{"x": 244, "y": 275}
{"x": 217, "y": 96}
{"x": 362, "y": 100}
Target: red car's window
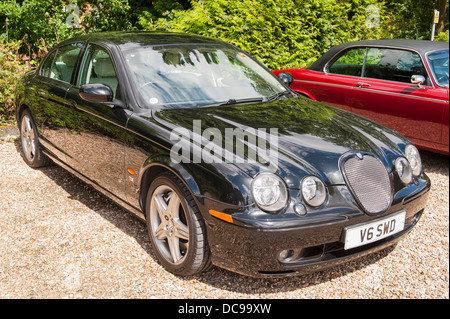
{"x": 349, "y": 63}
{"x": 393, "y": 65}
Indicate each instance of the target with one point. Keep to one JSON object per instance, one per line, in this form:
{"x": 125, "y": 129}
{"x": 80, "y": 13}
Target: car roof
{"x": 421, "y": 46}
{"x": 130, "y": 39}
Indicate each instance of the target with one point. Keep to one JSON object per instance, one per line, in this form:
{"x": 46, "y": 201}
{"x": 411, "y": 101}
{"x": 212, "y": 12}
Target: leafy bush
{"x": 280, "y": 33}
{"x": 143, "y": 11}
{"x": 443, "y": 36}
{"x": 105, "y": 15}
{"x": 40, "y": 24}
{"x": 413, "y": 18}
{"x": 11, "y": 70}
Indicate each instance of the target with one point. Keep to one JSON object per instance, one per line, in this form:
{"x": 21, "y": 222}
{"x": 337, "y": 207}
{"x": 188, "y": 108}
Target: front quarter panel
{"x": 148, "y": 153}
{"x": 333, "y": 89}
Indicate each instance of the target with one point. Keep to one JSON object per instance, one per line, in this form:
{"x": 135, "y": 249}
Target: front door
{"x": 95, "y": 142}
{"x": 336, "y": 86}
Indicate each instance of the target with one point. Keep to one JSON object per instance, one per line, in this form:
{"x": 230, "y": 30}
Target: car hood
{"x": 311, "y": 136}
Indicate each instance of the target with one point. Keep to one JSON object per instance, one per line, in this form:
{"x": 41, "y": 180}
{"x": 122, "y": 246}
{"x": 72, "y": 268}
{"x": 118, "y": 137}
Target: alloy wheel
{"x": 28, "y": 138}
{"x": 169, "y": 224}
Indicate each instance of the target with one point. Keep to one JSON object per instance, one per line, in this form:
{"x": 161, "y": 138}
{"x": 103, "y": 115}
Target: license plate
{"x": 370, "y": 232}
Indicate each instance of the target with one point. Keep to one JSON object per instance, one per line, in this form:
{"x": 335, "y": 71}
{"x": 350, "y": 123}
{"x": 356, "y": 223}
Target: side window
{"x": 393, "y": 65}
{"x": 349, "y": 63}
{"x": 98, "y": 67}
{"x": 47, "y": 66}
{"x": 65, "y": 60}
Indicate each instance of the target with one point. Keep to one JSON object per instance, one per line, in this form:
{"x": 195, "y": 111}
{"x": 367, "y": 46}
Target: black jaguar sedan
{"x": 223, "y": 161}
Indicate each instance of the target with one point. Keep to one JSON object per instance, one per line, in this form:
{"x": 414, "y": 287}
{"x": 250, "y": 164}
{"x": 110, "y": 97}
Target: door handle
{"x": 362, "y": 85}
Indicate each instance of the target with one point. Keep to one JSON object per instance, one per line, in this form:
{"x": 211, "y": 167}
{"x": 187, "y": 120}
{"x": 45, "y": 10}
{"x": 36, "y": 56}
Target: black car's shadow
{"x": 215, "y": 277}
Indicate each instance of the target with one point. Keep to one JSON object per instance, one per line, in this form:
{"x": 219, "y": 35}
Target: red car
{"x": 402, "y": 84}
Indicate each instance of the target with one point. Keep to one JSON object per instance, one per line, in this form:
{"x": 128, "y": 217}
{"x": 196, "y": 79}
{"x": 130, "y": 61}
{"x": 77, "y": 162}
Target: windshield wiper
{"x": 277, "y": 96}
{"x": 234, "y": 101}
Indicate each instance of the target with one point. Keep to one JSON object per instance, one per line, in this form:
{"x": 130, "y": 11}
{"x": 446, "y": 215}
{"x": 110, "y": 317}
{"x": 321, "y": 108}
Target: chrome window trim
{"x": 377, "y": 91}
{"x": 424, "y": 61}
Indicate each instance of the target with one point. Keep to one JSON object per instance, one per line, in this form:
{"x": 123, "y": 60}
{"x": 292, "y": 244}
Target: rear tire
{"x": 31, "y": 148}
{"x": 176, "y": 227}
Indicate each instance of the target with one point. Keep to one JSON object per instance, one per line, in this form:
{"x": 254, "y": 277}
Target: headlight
{"x": 403, "y": 170}
{"x": 413, "y": 157}
{"x": 269, "y": 192}
{"x": 313, "y": 191}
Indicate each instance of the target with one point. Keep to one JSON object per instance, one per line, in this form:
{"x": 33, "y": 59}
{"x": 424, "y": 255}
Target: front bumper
{"x": 253, "y": 247}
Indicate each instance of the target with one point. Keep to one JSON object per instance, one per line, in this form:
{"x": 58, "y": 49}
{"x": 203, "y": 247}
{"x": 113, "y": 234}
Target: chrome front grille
{"x": 369, "y": 182}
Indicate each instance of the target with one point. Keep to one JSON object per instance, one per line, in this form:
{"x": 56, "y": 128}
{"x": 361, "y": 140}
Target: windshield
{"x": 438, "y": 62}
{"x": 180, "y": 76}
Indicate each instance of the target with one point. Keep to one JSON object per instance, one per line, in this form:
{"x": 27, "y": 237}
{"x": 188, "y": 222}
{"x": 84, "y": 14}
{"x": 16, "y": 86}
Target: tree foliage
{"x": 414, "y": 18}
{"x": 280, "y": 33}
{"x": 34, "y": 23}
{"x": 11, "y": 71}
{"x": 39, "y": 24}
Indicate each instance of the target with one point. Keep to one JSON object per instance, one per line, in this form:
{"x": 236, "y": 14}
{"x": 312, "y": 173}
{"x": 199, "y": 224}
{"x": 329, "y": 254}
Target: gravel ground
{"x": 59, "y": 238}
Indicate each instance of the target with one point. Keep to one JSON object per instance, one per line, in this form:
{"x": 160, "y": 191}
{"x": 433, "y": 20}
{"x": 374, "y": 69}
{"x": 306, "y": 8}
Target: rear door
{"x": 50, "y": 86}
{"x": 385, "y": 94}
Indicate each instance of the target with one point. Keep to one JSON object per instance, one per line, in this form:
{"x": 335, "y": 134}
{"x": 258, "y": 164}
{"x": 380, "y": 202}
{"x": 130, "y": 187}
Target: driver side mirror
{"x": 96, "y": 93}
{"x": 286, "y": 78}
{"x": 99, "y": 93}
{"x": 418, "y": 80}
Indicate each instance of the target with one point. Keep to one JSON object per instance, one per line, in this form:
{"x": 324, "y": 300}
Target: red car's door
{"x": 386, "y": 95}
{"x": 332, "y": 89}
{"x": 333, "y": 86}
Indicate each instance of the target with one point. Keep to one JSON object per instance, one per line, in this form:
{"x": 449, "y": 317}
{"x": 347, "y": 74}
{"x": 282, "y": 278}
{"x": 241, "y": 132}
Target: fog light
{"x": 300, "y": 209}
{"x": 286, "y": 255}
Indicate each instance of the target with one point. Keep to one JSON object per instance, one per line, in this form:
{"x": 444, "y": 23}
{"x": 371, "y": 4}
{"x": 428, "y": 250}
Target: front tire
{"x": 176, "y": 227}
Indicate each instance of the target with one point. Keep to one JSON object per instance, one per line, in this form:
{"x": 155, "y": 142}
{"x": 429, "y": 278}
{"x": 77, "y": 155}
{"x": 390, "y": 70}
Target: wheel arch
{"x": 19, "y": 111}
{"x": 154, "y": 169}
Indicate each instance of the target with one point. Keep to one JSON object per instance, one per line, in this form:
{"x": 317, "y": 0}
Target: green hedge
{"x": 40, "y": 24}
{"x": 281, "y": 33}
{"x": 11, "y": 70}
